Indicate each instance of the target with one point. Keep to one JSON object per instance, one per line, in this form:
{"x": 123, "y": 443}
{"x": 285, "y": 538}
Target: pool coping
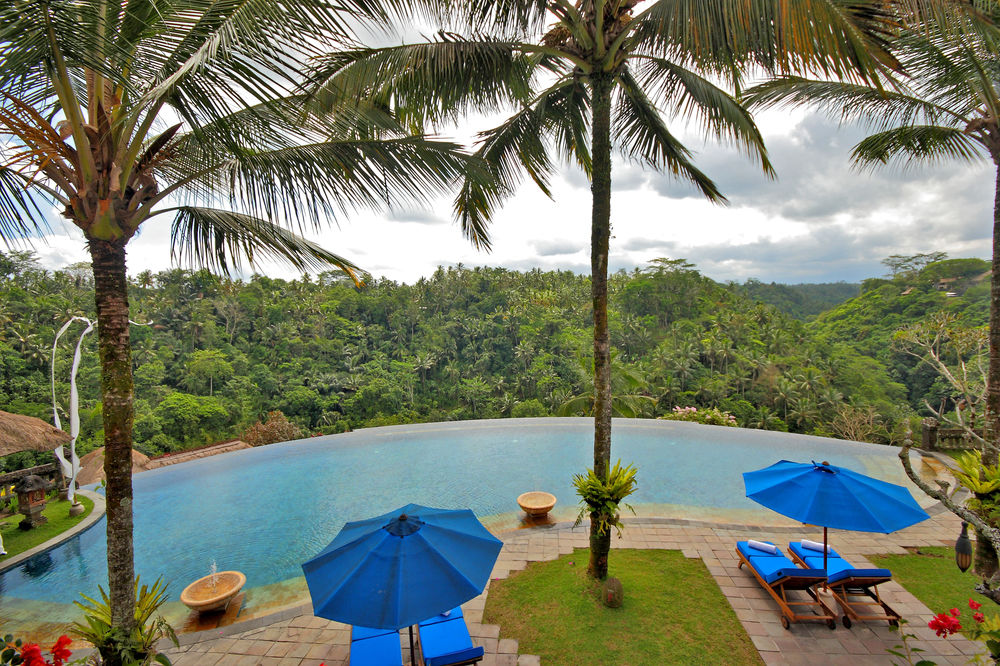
{"x": 95, "y": 515}
{"x": 291, "y": 611}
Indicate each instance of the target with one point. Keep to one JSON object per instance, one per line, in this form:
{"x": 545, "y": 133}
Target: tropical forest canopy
{"x": 220, "y": 355}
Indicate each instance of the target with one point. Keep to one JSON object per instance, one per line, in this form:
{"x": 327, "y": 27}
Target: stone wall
{"x": 936, "y": 438}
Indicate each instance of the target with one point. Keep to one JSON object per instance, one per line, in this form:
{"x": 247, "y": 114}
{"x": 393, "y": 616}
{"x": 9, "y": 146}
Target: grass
{"x": 930, "y": 575}
{"x": 673, "y": 613}
{"x": 16, "y": 540}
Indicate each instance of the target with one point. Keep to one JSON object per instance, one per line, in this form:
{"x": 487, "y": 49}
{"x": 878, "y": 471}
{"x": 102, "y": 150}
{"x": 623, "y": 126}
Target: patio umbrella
{"x": 394, "y": 570}
{"x": 830, "y": 496}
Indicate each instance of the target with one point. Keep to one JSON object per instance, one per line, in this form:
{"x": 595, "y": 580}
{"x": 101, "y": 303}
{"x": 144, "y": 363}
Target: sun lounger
{"x": 445, "y": 641}
{"x": 851, "y": 587}
{"x": 375, "y": 647}
{"x": 779, "y": 575}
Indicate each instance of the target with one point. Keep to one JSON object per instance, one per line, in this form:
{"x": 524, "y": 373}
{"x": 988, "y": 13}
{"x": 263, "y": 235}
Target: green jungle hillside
{"x": 220, "y": 355}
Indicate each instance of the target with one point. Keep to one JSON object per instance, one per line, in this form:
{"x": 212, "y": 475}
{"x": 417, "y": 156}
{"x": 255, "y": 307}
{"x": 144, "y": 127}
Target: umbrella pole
{"x": 825, "y": 547}
{"x": 413, "y": 655}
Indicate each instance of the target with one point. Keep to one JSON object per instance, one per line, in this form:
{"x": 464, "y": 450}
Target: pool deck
{"x": 294, "y": 637}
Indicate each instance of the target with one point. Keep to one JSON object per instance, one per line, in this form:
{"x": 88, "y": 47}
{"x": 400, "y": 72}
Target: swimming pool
{"x": 264, "y": 511}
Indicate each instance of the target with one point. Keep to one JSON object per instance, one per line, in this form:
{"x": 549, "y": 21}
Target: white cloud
{"x": 821, "y": 220}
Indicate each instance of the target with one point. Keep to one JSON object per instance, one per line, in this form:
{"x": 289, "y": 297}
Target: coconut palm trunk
{"x": 986, "y": 562}
{"x": 111, "y": 295}
{"x": 992, "y": 424}
{"x": 573, "y": 69}
{"x": 600, "y": 234}
{"x": 89, "y": 94}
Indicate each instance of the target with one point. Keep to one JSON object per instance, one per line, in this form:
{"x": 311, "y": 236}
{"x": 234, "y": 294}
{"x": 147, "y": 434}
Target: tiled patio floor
{"x": 295, "y": 638}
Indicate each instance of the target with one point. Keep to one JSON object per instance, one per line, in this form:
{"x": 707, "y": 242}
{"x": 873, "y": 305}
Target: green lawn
{"x": 931, "y": 576}
{"x": 16, "y": 540}
{"x": 673, "y": 613}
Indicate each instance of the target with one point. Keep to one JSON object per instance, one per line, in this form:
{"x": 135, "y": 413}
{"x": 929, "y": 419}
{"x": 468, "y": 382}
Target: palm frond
{"x": 908, "y": 145}
{"x": 520, "y": 143}
{"x": 310, "y": 182}
{"x": 694, "y": 97}
{"x": 436, "y": 80}
{"x": 222, "y": 240}
{"x": 825, "y": 37}
{"x": 20, "y": 216}
{"x": 514, "y": 18}
{"x": 851, "y": 102}
{"x": 643, "y": 136}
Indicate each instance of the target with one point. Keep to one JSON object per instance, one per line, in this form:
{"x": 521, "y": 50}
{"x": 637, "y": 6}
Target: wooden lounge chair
{"x": 375, "y": 647}
{"x": 856, "y": 590}
{"x": 445, "y": 640}
{"x": 779, "y": 575}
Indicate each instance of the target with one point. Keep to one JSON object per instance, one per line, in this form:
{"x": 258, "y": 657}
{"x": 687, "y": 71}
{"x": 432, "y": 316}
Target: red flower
{"x": 945, "y": 625}
{"x": 60, "y": 651}
{"x": 954, "y": 612}
{"x": 979, "y": 617}
{"x": 973, "y": 605}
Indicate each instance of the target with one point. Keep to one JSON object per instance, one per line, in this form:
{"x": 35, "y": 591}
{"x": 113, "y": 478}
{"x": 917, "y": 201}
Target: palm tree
{"x": 948, "y": 107}
{"x": 119, "y": 112}
{"x": 602, "y": 70}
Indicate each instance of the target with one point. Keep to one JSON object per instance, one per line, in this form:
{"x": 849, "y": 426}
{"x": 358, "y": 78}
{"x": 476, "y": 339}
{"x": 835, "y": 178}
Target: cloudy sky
{"x": 819, "y": 221}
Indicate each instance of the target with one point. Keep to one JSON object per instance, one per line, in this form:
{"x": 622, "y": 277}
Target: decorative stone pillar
{"x": 31, "y": 501}
{"x": 929, "y": 435}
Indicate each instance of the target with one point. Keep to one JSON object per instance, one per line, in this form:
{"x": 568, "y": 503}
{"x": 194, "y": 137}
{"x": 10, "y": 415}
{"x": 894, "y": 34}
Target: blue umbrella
{"x": 394, "y": 570}
{"x": 830, "y": 496}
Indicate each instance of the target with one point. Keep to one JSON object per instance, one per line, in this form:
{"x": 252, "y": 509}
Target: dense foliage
{"x": 469, "y": 343}
{"x": 801, "y": 301}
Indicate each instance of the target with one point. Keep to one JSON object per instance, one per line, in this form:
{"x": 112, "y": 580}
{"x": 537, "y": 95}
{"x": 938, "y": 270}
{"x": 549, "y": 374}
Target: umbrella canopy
{"x": 830, "y": 496}
{"x": 402, "y": 567}
{"x": 26, "y": 433}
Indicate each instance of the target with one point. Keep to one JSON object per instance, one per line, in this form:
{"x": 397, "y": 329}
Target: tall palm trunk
{"x": 600, "y": 544}
{"x": 111, "y": 294}
{"x": 986, "y": 564}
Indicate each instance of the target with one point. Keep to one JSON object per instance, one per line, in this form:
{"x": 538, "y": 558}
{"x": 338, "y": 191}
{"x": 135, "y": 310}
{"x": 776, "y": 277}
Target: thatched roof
{"x": 92, "y": 466}
{"x": 26, "y": 433}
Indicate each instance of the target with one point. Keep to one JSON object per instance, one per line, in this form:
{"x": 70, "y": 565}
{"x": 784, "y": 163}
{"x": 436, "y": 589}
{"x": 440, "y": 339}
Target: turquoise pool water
{"x": 264, "y": 511}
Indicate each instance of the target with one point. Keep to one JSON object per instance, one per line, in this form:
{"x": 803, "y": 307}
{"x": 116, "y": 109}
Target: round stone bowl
{"x": 204, "y": 596}
{"x": 536, "y": 502}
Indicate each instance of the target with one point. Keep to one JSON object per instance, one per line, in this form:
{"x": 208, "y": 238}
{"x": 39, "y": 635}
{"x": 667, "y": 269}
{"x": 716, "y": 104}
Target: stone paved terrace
{"x": 294, "y": 637}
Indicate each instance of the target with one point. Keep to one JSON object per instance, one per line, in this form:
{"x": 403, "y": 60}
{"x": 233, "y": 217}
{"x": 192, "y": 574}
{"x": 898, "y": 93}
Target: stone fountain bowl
{"x": 203, "y": 596}
{"x": 536, "y": 502}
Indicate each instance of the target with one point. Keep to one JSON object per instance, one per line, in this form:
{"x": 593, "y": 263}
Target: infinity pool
{"x": 264, "y": 511}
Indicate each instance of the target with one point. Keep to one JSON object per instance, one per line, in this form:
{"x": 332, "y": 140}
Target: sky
{"x": 819, "y": 221}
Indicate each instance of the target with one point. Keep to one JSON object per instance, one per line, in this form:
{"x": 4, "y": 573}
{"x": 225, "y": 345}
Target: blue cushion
{"x": 455, "y": 612}
{"x": 837, "y": 568}
{"x": 361, "y": 633}
{"x": 775, "y": 568}
{"x": 445, "y": 639}
{"x": 379, "y": 650}
{"x": 748, "y": 551}
{"x": 455, "y": 657}
{"x": 847, "y": 574}
{"x": 796, "y": 547}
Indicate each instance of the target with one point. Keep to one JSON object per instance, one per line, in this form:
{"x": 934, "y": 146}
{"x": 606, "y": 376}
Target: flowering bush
{"x": 708, "y": 416}
{"x": 30, "y": 654}
{"x": 277, "y": 429}
{"x": 986, "y": 630}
